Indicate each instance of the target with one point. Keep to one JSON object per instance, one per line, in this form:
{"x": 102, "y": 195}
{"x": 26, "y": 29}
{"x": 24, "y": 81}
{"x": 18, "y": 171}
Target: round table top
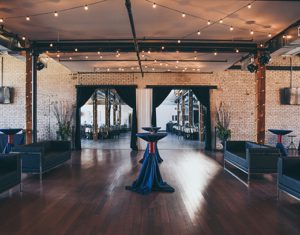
{"x": 152, "y": 137}
{"x": 10, "y": 131}
{"x": 151, "y": 128}
{"x": 280, "y": 132}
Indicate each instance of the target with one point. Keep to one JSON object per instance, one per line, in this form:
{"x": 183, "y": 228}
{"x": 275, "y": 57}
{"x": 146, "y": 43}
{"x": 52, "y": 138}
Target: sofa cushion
{"x": 240, "y": 154}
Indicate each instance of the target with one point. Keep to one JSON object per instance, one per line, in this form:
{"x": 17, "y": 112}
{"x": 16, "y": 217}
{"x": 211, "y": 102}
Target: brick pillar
{"x": 260, "y": 77}
{"x": 28, "y": 98}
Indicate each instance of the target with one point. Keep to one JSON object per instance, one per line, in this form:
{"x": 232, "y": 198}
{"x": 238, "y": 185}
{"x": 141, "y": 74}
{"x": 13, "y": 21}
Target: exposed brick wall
{"x": 236, "y": 88}
{"x": 54, "y": 85}
{"x": 282, "y": 116}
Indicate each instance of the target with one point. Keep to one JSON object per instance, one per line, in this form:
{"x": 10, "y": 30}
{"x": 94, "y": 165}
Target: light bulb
{"x": 183, "y": 15}
{"x": 162, "y": 47}
{"x": 208, "y": 22}
{"x": 76, "y": 49}
{"x": 269, "y": 35}
{"x": 86, "y": 57}
{"x": 51, "y": 45}
{"x": 56, "y": 14}
{"x": 86, "y": 7}
{"x": 198, "y": 32}
{"x": 215, "y": 53}
{"x": 27, "y": 18}
{"x": 237, "y": 50}
{"x": 1, "y": 20}
{"x": 231, "y": 28}
{"x": 251, "y": 32}
{"x": 23, "y": 38}
{"x": 195, "y": 58}
{"x": 220, "y": 21}
{"x": 98, "y": 52}
{"x": 179, "y": 41}
{"x": 70, "y": 58}
{"x": 154, "y": 5}
{"x": 249, "y": 6}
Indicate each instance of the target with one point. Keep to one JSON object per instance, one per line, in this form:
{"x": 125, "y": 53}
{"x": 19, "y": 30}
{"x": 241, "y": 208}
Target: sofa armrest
{"x": 289, "y": 164}
{"x": 60, "y": 145}
{"x": 262, "y": 158}
{"x": 10, "y": 161}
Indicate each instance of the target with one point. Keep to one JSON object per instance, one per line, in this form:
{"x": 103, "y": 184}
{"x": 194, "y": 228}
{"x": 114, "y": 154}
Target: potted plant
{"x": 64, "y": 115}
{"x": 222, "y": 123}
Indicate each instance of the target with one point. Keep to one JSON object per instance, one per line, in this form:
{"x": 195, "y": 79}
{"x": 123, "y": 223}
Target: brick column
{"x": 260, "y": 78}
{"x": 28, "y": 98}
{"x": 183, "y": 110}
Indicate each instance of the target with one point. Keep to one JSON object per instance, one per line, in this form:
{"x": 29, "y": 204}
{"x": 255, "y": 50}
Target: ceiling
{"x": 109, "y": 20}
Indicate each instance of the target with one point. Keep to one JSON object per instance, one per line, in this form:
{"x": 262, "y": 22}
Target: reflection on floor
{"x": 90, "y": 198}
{"x": 172, "y": 141}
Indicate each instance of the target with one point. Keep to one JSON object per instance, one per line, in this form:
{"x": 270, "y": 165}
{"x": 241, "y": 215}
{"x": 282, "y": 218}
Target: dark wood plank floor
{"x": 88, "y": 197}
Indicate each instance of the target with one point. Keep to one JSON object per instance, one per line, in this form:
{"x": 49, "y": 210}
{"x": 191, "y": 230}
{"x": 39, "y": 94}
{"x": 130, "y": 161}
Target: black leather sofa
{"x": 40, "y": 157}
{"x": 289, "y": 176}
{"x": 10, "y": 171}
{"x": 250, "y": 158}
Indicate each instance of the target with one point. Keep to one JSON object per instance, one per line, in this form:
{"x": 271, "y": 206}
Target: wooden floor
{"x": 89, "y": 197}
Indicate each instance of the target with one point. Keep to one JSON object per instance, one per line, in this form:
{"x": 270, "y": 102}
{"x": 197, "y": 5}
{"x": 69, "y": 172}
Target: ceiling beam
{"x": 136, "y": 45}
{"x": 116, "y": 60}
{"x": 154, "y": 45}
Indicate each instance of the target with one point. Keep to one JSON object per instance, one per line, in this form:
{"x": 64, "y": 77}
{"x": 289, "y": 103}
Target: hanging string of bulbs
{"x": 54, "y": 13}
{"x": 209, "y": 22}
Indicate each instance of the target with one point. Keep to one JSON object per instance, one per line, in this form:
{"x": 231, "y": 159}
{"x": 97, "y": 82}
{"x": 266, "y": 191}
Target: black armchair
{"x": 289, "y": 176}
{"x": 41, "y": 157}
{"x": 10, "y": 171}
{"x": 250, "y": 158}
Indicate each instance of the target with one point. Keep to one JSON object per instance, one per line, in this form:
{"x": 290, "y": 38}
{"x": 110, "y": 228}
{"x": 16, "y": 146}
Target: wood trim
{"x": 28, "y": 98}
{"x": 260, "y": 78}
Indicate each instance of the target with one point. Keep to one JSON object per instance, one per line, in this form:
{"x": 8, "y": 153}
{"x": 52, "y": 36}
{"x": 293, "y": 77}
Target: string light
{"x": 101, "y": 56}
{"x": 70, "y": 58}
{"x": 195, "y": 58}
{"x": 86, "y": 57}
{"x": 198, "y": 32}
{"x": 27, "y": 18}
{"x": 23, "y": 38}
{"x": 221, "y": 21}
{"x": 76, "y": 49}
{"x": 51, "y": 45}
{"x": 231, "y": 28}
{"x": 208, "y": 22}
{"x": 1, "y": 20}
{"x": 154, "y": 5}
{"x": 86, "y": 7}
{"x": 249, "y": 6}
{"x": 56, "y": 14}
{"x": 179, "y": 41}
{"x": 237, "y": 50}
{"x": 269, "y": 35}
{"x": 98, "y": 52}
{"x": 57, "y": 55}
{"x": 215, "y": 53}
{"x": 183, "y": 15}
{"x": 162, "y": 47}
{"x": 251, "y": 32}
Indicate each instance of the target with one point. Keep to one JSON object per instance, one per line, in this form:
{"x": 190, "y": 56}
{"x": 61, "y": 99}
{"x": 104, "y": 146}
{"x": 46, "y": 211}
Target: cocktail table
{"x": 10, "y": 138}
{"x": 152, "y": 130}
{"x": 279, "y": 144}
{"x": 149, "y": 178}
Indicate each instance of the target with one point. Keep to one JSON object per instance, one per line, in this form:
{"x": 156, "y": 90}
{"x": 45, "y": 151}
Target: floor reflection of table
{"x": 10, "y": 138}
{"x": 152, "y": 129}
{"x": 279, "y": 144}
{"x": 149, "y": 178}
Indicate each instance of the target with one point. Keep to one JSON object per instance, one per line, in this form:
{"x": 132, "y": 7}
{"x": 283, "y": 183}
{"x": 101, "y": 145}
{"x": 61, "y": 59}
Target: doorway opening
{"x": 183, "y": 116}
